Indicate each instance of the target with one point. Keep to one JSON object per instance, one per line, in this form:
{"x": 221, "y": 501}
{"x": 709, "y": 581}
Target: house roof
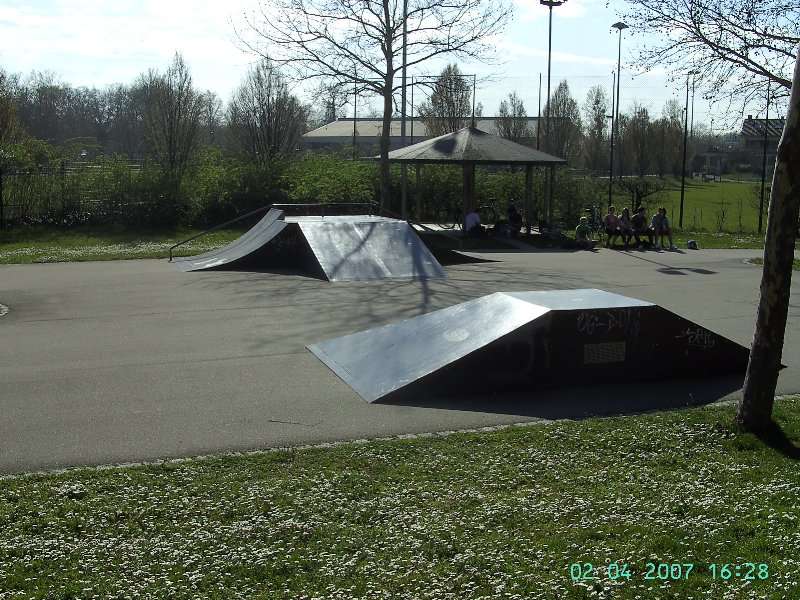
{"x": 373, "y": 127}
{"x": 755, "y": 127}
{"x": 471, "y": 145}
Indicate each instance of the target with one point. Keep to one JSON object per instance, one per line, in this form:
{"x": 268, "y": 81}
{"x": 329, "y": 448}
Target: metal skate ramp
{"x": 253, "y": 240}
{"x": 350, "y": 248}
{"x": 512, "y": 341}
{"x": 337, "y": 248}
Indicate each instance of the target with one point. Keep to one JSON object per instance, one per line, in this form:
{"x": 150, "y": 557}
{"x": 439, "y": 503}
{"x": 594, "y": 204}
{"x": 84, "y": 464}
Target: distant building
{"x": 339, "y": 134}
{"x": 752, "y": 140}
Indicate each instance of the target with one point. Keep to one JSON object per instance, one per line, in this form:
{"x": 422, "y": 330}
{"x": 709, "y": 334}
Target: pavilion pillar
{"x": 469, "y": 187}
{"x": 417, "y": 193}
{"x": 528, "y": 197}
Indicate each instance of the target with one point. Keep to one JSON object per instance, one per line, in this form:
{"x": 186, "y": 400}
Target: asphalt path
{"x": 106, "y": 362}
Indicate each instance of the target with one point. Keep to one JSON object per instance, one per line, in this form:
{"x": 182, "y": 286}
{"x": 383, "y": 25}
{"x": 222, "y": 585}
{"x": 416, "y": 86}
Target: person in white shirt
{"x": 472, "y": 224}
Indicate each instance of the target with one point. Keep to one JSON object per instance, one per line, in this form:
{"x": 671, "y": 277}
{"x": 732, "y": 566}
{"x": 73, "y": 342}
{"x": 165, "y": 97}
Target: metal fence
{"x": 71, "y": 192}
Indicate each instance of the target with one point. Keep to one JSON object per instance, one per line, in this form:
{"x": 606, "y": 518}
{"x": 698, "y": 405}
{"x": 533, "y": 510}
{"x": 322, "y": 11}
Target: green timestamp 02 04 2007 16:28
{"x": 663, "y": 571}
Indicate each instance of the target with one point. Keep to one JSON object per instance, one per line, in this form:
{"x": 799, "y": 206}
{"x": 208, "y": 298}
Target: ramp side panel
{"x": 252, "y": 240}
{"x": 379, "y": 361}
{"x": 379, "y": 249}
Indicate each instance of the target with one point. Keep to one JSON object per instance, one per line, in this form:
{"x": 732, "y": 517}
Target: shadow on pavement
{"x": 580, "y": 402}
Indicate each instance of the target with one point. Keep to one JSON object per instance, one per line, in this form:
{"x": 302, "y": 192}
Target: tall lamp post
{"x": 549, "y": 4}
{"x": 611, "y": 139}
{"x": 403, "y": 167}
{"x": 619, "y": 26}
{"x": 685, "y": 145}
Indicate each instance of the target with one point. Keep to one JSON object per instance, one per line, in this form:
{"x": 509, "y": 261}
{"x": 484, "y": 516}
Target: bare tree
{"x": 637, "y": 135}
{"x": 329, "y": 99}
{"x": 172, "y": 118}
{"x": 512, "y": 119}
{"x": 450, "y": 104}
{"x": 264, "y": 117}
{"x": 736, "y": 46}
{"x": 361, "y": 42}
{"x": 595, "y": 110}
{"x": 9, "y": 126}
{"x": 565, "y": 124}
{"x": 755, "y": 408}
{"x": 211, "y": 118}
{"x": 667, "y": 139}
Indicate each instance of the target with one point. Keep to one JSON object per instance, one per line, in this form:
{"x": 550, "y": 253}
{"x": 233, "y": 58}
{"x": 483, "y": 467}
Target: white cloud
{"x": 510, "y": 51}
{"x": 96, "y": 42}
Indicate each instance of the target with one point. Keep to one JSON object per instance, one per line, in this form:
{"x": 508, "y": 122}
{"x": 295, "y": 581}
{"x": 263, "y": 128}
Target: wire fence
{"x": 73, "y": 192}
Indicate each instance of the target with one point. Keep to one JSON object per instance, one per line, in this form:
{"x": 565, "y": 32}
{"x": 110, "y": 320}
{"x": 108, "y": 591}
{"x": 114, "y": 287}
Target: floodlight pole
{"x": 611, "y": 137}
{"x": 474, "y": 87}
{"x": 764, "y": 166}
{"x": 355, "y": 116}
{"x": 539, "y": 117}
{"x": 403, "y": 166}
{"x": 619, "y": 26}
{"x": 685, "y": 144}
{"x": 549, "y": 4}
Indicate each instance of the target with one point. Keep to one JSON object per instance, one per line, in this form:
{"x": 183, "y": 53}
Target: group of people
{"x": 631, "y": 228}
{"x": 510, "y": 227}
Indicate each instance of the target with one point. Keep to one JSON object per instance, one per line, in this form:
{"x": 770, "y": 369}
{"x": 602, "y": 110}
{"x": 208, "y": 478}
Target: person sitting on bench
{"x": 639, "y": 222}
{"x": 583, "y": 234}
{"x": 472, "y": 224}
{"x": 514, "y": 220}
{"x": 611, "y": 224}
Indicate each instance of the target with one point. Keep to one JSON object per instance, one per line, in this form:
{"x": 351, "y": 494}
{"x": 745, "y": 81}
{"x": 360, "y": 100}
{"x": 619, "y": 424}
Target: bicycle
{"x": 451, "y": 217}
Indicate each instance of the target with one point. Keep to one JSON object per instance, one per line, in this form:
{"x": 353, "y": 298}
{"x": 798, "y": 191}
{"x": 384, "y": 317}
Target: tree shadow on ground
{"x": 578, "y": 402}
{"x": 775, "y": 437}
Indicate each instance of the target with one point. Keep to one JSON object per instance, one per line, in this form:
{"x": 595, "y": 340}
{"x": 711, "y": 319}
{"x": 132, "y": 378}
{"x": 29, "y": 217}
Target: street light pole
{"x": 764, "y": 166}
{"x": 619, "y": 26}
{"x": 403, "y": 166}
{"x": 611, "y": 137}
{"x": 685, "y": 144}
{"x": 549, "y": 4}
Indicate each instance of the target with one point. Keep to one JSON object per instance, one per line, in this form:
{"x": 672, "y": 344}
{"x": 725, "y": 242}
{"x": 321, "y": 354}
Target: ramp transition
{"x": 338, "y": 248}
{"x": 519, "y": 340}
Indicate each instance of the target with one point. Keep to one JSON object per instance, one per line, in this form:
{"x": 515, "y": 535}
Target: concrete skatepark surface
{"x": 105, "y": 362}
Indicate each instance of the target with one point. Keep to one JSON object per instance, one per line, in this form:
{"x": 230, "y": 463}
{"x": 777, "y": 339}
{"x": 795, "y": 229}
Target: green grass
{"x": 487, "y": 515}
{"x": 704, "y": 203}
{"x": 760, "y": 261}
{"x": 42, "y": 244}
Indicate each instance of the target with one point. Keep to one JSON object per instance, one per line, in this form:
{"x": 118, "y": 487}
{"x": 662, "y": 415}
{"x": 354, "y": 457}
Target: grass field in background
{"x": 492, "y": 515}
{"x": 704, "y": 203}
{"x": 44, "y": 244}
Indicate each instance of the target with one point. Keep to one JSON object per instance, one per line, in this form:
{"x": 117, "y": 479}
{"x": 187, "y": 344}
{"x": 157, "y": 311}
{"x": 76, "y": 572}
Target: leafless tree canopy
{"x": 595, "y": 110}
{"x": 8, "y": 116}
{"x": 362, "y": 41}
{"x": 565, "y": 127}
{"x": 172, "y": 118}
{"x": 264, "y": 117}
{"x": 736, "y": 46}
{"x": 449, "y": 106}
{"x": 512, "y": 119}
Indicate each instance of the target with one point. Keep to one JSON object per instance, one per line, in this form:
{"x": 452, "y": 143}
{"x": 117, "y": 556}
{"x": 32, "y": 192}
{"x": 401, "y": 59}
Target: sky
{"x": 102, "y": 42}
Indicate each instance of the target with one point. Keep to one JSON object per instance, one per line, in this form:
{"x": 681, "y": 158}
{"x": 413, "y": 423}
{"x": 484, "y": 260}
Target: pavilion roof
{"x": 471, "y": 145}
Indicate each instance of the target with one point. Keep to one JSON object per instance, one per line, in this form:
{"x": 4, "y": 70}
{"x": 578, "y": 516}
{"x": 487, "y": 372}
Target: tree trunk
{"x": 755, "y": 408}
